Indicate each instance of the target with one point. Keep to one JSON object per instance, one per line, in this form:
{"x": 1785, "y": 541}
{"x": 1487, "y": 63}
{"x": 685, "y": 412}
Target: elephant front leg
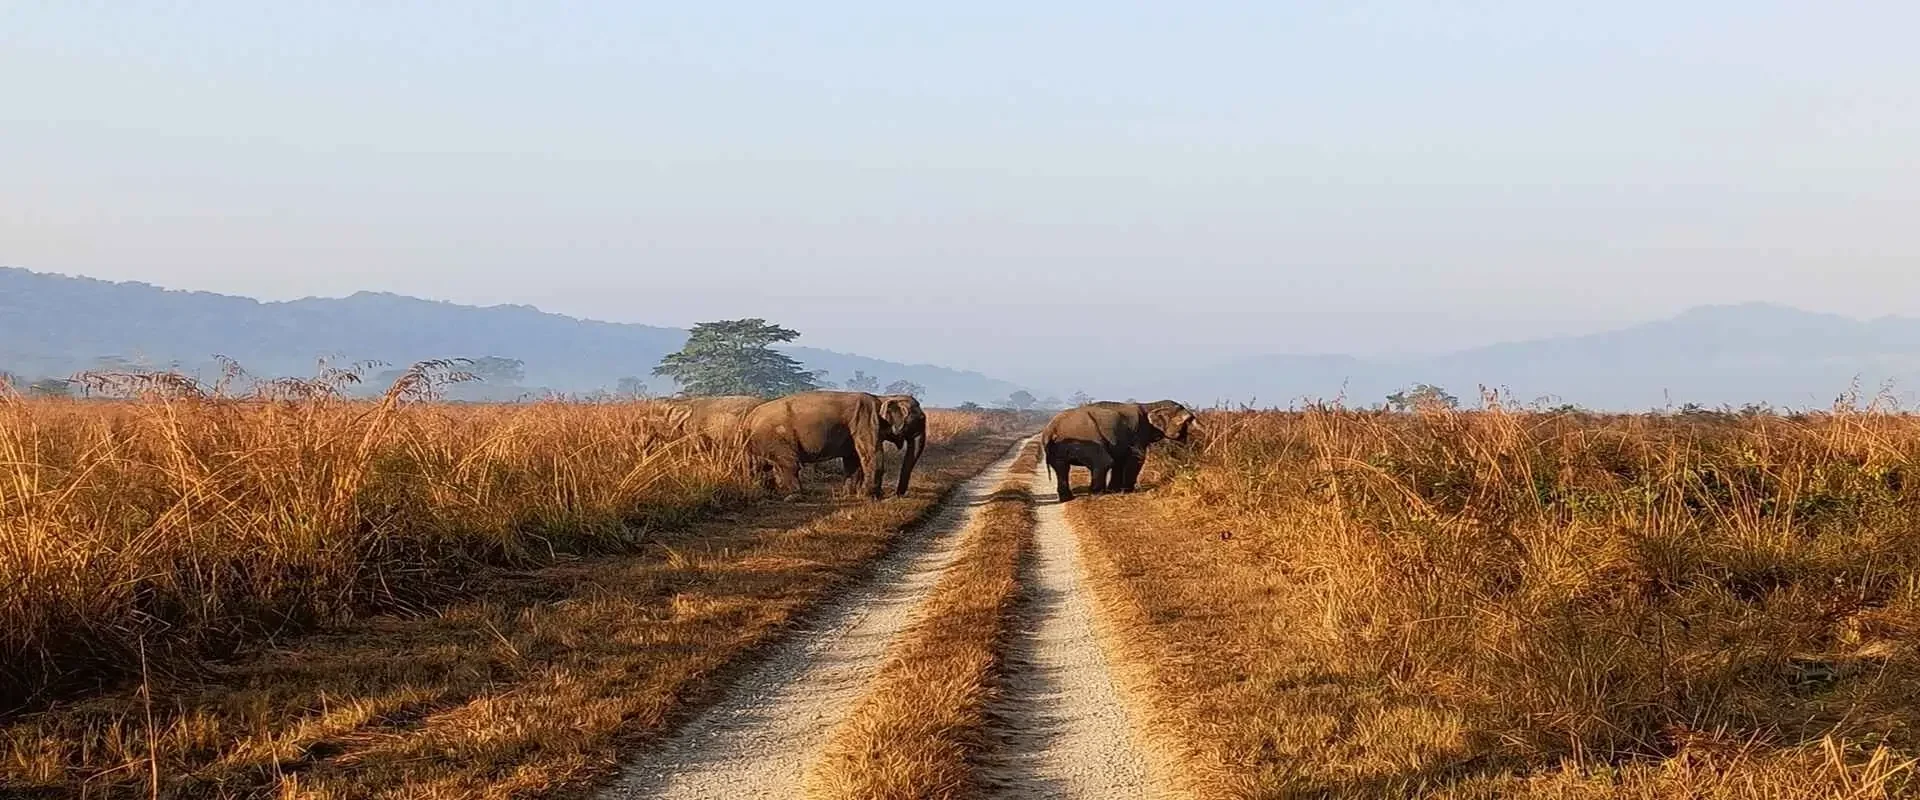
{"x": 1127, "y": 472}
{"x": 872, "y": 473}
{"x": 1123, "y": 472}
{"x": 1061, "y": 488}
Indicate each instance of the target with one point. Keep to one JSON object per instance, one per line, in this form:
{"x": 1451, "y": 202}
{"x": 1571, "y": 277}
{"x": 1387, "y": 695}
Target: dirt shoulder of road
{"x": 534, "y": 685}
{"x": 919, "y": 730}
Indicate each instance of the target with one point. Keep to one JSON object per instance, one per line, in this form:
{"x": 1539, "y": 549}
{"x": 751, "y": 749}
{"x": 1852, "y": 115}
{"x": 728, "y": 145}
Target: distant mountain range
{"x": 54, "y": 325}
{"x": 1711, "y": 355}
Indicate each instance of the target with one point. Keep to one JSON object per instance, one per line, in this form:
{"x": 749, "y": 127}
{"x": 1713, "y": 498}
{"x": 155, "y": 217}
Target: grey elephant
{"x": 811, "y": 427}
{"x": 904, "y": 423}
{"x": 714, "y": 418}
{"x": 1110, "y": 440}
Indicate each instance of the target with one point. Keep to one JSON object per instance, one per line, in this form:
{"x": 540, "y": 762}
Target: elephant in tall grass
{"x": 714, "y": 418}
{"x": 1110, "y": 440}
{"x": 811, "y": 427}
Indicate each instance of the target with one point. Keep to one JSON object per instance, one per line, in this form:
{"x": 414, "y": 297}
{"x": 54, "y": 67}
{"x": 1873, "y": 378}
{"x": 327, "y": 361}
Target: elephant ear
{"x": 1183, "y": 424}
{"x": 1161, "y": 417}
{"x": 897, "y": 412}
{"x": 1172, "y": 419}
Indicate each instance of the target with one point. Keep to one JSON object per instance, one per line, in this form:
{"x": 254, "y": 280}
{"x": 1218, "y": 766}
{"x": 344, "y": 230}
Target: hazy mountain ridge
{"x": 56, "y": 325}
{"x": 1712, "y": 355}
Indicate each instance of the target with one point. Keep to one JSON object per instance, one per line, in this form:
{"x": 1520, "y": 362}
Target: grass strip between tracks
{"x": 920, "y": 729}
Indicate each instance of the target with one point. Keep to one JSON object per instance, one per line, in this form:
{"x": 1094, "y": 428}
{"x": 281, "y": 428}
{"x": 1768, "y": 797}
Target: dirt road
{"x": 760, "y": 739}
{"x": 1060, "y": 730}
{"x": 1063, "y": 729}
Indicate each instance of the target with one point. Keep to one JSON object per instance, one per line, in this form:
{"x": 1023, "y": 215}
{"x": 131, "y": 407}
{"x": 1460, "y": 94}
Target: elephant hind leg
{"x": 1060, "y": 466}
{"x": 856, "y": 472}
{"x": 785, "y": 474}
{"x": 763, "y": 472}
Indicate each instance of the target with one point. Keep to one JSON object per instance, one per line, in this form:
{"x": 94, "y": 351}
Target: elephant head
{"x": 904, "y": 423}
{"x": 1173, "y": 420}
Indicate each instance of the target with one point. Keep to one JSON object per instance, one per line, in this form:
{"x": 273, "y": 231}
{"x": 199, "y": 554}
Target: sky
{"x": 1013, "y": 187}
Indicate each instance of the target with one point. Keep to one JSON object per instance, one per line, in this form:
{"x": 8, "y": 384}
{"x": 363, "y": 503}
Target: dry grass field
{"x": 329, "y": 598}
{"x": 1505, "y": 604}
{"x": 324, "y": 598}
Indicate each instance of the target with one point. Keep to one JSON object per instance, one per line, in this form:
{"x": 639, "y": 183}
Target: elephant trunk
{"x": 915, "y": 445}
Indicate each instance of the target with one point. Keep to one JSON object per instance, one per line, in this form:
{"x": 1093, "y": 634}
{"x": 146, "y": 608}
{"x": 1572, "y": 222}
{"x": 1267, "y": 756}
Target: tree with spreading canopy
{"x": 906, "y": 387}
{"x": 498, "y": 370}
{"x": 736, "y": 356}
{"x": 1421, "y": 396}
{"x": 1021, "y": 400}
{"x": 862, "y": 382}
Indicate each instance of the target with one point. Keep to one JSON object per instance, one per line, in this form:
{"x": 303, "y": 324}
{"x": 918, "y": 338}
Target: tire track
{"x": 759, "y": 739}
{"x": 1062, "y": 727}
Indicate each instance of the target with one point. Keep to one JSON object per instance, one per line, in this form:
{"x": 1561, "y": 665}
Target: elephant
{"x": 811, "y": 427}
{"x": 1110, "y": 440}
{"x": 714, "y": 418}
{"x": 904, "y": 424}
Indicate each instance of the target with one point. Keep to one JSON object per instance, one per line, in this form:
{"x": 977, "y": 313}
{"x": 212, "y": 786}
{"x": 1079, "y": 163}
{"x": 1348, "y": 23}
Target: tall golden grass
{"x": 181, "y": 526}
{"x": 167, "y": 529}
{"x": 1497, "y": 602}
{"x": 530, "y": 679}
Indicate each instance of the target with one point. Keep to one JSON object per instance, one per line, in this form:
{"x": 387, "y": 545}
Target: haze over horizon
{"x": 994, "y": 187}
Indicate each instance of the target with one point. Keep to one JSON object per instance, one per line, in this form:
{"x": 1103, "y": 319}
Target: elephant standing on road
{"x": 811, "y": 427}
{"x": 1110, "y": 440}
{"x": 715, "y": 418}
{"x": 904, "y": 423}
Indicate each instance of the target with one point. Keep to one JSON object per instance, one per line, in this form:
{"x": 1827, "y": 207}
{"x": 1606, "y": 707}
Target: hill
{"x": 1711, "y": 355}
{"x": 54, "y": 325}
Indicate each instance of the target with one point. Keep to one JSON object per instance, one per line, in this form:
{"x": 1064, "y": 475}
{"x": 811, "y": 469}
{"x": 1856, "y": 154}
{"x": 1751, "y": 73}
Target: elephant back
{"x": 809, "y": 417}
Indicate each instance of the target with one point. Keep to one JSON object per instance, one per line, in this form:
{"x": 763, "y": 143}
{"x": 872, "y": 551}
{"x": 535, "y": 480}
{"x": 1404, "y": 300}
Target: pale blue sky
{"x": 985, "y": 184}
